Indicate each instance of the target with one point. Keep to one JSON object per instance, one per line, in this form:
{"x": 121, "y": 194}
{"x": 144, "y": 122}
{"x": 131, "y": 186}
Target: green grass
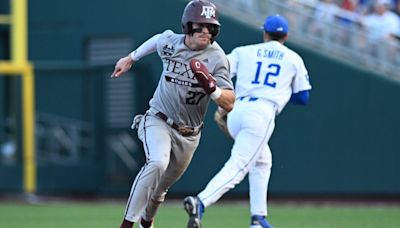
{"x": 171, "y": 215}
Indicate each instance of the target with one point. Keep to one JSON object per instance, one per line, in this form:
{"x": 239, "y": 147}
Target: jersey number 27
{"x": 273, "y": 71}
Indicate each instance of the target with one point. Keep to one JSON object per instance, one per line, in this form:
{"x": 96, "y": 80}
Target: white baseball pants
{"x": 251, "y": 124}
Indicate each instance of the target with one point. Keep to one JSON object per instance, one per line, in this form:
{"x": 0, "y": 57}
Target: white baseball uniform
{"x": 267, "y": 74}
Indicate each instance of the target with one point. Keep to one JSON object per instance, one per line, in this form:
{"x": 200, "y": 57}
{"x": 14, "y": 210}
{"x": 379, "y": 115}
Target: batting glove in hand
{"x": 205, "y": 79}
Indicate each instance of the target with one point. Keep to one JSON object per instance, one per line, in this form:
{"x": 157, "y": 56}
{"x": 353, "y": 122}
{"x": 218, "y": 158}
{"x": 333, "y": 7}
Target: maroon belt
{"x": 184, "y": 131}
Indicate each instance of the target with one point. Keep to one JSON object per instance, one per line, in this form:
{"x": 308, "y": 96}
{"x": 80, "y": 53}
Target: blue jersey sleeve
{"x": 300, "y": 98}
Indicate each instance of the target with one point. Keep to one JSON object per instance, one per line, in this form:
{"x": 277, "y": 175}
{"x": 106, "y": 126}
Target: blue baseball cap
{"x": 276, "y": 23}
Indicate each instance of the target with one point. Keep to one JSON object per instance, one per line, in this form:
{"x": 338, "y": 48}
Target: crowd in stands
{"x": 380, "y": 18}
{"x": 379, "y": 21}
{"x": 369, "y": 27}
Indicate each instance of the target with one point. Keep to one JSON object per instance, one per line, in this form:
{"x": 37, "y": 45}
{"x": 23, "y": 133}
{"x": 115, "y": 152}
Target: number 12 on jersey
{"x": 273, "y": 71}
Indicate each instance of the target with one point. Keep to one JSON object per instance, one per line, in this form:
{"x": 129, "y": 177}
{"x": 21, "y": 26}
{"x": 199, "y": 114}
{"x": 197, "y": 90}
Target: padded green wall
{"x": 344, "y": 142}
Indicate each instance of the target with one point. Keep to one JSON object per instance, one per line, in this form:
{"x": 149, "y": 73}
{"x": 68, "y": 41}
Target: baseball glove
{"x": 220, "y": 117}
{"x": 205, "y": 79}
{"x": 136, "y": 121}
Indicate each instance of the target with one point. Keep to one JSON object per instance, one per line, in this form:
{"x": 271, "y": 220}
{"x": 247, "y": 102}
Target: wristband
{"x": 134, "y": 56}
{"x": 216, "y": 94}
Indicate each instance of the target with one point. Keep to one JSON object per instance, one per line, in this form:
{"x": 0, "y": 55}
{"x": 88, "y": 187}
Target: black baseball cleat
{"x": 195, "y": 209}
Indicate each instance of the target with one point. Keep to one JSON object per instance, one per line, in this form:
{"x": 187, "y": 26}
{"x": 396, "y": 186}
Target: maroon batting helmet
{"x": 201, "y": 12}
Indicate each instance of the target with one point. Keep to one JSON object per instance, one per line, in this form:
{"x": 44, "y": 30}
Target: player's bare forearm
{"x": 122, "y": 66}
{"x": 226, "y": 100}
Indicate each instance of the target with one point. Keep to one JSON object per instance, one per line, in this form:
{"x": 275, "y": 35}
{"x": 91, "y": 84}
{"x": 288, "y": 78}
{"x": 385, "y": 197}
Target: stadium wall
{"x": 343, "y": 143}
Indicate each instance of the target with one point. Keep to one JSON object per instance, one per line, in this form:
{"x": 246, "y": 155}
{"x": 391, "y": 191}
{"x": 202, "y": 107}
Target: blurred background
{"x": 65, "y": 124}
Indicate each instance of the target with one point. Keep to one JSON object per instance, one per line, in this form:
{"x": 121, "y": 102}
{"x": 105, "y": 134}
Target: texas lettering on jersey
{"x": 179, "y": 73}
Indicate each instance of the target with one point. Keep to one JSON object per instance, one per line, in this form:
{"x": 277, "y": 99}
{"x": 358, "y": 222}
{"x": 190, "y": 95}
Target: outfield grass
{"x": 171, "y": 215}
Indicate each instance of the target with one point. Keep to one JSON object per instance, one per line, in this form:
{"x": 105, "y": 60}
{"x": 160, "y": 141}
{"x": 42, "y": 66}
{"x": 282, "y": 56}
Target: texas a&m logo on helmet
{"x": 208, "y": 12}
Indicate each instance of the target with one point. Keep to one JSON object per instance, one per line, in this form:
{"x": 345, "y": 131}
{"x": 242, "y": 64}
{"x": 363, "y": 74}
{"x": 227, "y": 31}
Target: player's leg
{"x": 259, "y": 176}
{"x": 182, "y": 152}
{"x": 193, "y": 208}
{"x": 244, "y": 123}
{"x": 232, "y": 173}
{"x": 157, "y": 146}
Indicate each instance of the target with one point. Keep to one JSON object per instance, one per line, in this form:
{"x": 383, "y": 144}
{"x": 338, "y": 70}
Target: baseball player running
{"x": 268, "y": 75}
{"x": 170, "y": 130}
